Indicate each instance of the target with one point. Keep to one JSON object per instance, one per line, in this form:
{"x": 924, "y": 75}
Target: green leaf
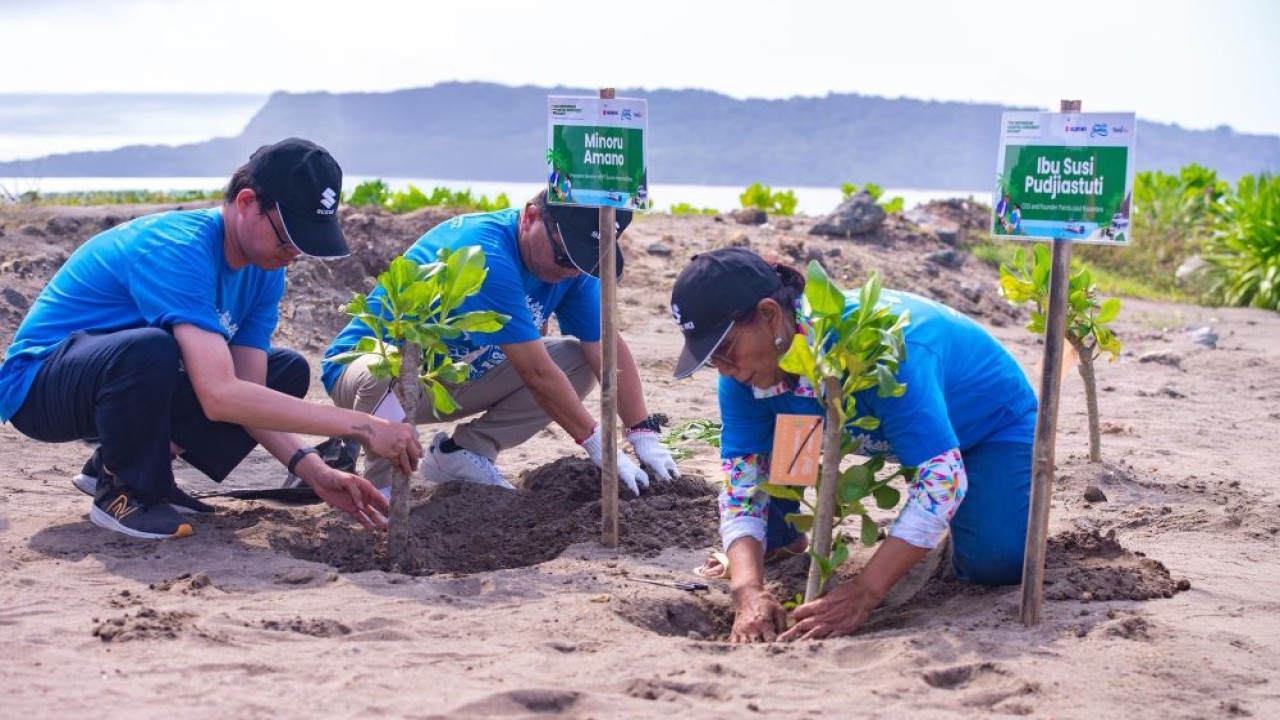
{"x": 485, "y": 321}
{"x": 799, "y": 359}
{"x": 802, "y": 522}
{"x": 782, "y": 492}
{"x": 442, "y": 403}
{"x": 825, "y": 299}
{"x": 886, "y": 497}
{"x": 1110, "y": 309}
{"x": 866, "y": 422}
{"x": 870, "y": 531}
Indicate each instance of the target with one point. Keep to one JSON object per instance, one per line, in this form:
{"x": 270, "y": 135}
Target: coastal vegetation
{"x": 892, "y": 205}
{"x": 763, "y": 197}
{"x": 1195, "y": 239}
{"x": 377, "y": 193}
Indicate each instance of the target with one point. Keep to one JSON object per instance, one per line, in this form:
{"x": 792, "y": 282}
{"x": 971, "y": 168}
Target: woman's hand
{"x": 840, "y": 612}
{"x": 757, "y": 617}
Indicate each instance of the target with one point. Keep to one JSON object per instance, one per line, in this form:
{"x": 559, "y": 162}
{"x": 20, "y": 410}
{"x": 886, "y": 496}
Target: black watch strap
{"x": 297, "y": 457}
{"x": 653, "y": 423}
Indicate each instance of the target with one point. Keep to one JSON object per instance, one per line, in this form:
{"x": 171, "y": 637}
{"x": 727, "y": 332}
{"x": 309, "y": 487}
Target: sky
{"x": 1195, "y": 63}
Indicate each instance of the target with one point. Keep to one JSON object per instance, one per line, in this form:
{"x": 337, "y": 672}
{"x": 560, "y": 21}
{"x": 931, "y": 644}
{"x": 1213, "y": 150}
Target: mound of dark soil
{"x": 467, "y": 528}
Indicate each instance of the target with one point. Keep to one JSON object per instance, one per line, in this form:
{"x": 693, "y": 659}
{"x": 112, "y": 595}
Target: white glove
{"x": 652, "y": 452}
{"x": 630, "y": 473}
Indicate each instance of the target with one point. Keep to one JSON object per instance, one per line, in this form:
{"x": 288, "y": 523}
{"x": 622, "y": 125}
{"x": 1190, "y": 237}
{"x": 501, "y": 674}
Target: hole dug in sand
{"x": 693, "y": 616}
{"x": 466, "y": 528}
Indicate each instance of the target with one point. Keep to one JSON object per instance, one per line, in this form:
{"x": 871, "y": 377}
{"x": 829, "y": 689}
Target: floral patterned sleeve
{"x": 742, "y": 504}
{"x": 932, "y": 500}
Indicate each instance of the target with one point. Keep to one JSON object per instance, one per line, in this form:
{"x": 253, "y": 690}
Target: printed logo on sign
{"x": 607, "y": 112}
{"x": 1119, "y": 129}
{"x": 1098, "y": 130}
{"x": 1076, "y": 128}
{"x": 328, "y": 198}
{"x": 626, "y": 113}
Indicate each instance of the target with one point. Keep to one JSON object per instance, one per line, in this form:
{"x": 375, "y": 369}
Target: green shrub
{"x": 687, "y": 209}
{"x": 1244, "y": 249}
{"x": 377, "y": 193}
{"x": 894, "y": 204}
{"x": 370, "y": 192}
{"x": 764, "y": 198}
{"x": 1172, "y": 216}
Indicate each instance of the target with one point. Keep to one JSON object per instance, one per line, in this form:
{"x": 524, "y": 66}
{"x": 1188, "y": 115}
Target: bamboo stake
{"x": 1046, "y": 425}
{"x": 608, "y": 373}
{"x": 821, "y": 544}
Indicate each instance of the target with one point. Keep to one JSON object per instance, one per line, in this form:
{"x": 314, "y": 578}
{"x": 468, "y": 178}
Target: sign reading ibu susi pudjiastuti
{"x": 595, "y": 152}
{"x": 1064, "y": 176}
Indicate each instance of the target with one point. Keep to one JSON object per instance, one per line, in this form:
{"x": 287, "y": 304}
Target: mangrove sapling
{"x": 411, "y": 318}
{"x": 844, "y": 354}
{"x": 1027, "y": 280}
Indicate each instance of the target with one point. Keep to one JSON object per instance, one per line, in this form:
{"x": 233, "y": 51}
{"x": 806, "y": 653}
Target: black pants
{"x": 128, "y": 391}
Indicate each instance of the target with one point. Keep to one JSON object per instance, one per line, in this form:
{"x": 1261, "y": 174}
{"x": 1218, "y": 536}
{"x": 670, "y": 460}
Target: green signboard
{"x": 596, "y": 153}
{"x": 1065, "y": 176}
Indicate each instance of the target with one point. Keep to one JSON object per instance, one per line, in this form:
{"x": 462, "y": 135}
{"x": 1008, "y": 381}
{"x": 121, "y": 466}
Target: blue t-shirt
{"x": 963, "y": 389}
{"x": 156, "y": 271}
{"x": 509, "y": 288}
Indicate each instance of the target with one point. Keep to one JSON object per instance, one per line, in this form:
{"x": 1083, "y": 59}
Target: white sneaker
{"x": 460, "y": 466}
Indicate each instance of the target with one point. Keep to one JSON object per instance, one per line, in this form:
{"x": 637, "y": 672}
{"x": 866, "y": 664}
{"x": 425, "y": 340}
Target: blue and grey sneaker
{"x": 116, "y": 508}
{"x": 87, "y": 483}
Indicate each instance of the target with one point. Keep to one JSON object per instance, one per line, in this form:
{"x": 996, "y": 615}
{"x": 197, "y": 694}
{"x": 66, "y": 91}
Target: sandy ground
{"x": 1162, "y": 601}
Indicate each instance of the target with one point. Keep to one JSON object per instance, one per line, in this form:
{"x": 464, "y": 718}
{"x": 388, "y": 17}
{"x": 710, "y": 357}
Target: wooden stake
{"x": 821, "y": 544}
{"x": 608, "y": 373}
{"x": 1042, "y": 458}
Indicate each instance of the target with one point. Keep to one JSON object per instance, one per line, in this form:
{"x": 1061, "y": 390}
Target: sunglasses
{"x": 723, "y": 354}
{"x": 557, "y": 248}
{"x": 280, "y": 239}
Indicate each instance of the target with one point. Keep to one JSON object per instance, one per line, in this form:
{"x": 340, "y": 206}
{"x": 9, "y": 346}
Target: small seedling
{"x": 1088, "y": 317}
{"x": 846, "y": 353}
{"x": 411, "y": 313}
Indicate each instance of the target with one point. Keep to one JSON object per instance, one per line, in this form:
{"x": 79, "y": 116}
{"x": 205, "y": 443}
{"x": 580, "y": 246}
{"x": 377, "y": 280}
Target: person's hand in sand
{"x": 965, "y": 425}
{"x": 541, "y": 261}
{"x": 349, "y": 493}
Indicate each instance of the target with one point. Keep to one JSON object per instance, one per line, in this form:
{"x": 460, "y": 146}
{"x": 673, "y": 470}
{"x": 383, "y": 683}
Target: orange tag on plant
{"x": 797, "y": 442}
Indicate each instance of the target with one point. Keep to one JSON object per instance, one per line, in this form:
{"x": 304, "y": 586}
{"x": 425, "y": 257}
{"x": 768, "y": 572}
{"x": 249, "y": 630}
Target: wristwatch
{"x": 297, "y": 457}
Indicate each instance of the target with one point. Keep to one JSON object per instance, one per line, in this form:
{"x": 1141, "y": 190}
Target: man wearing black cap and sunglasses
{"x": 154, "y": 340}
{"x": 541, "y": 261}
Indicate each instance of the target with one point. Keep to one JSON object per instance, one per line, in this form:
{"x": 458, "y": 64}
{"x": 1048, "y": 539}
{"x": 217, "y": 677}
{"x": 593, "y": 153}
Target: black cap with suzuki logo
{"x": 304, "y": 180}
{"x": 579, "y": 227}
{"x": 711, "y": 293}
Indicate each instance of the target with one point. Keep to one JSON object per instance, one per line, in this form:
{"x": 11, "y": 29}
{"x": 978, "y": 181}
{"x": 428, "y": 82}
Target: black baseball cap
{"x": 304, "y": 180}
{"x": 579, "y": 227}
{"x": 711, "y": 293}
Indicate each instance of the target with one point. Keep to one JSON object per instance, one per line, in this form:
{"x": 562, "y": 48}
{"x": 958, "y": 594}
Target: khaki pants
{"x": 509, "y": 413}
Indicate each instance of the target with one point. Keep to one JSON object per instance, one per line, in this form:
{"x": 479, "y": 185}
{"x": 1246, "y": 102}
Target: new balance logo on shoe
{"x": 119, "y": 508}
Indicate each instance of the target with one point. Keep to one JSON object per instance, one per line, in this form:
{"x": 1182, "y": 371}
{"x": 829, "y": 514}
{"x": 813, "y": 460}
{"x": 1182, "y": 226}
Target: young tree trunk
{"x": 406, "y": 389}
{"x": 1090, "y": 399}
{"x": 821, "y": 542}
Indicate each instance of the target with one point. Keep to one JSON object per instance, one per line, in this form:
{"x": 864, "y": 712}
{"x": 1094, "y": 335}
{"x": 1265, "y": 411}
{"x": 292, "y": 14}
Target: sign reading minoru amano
{"x": 595, "y": 152}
